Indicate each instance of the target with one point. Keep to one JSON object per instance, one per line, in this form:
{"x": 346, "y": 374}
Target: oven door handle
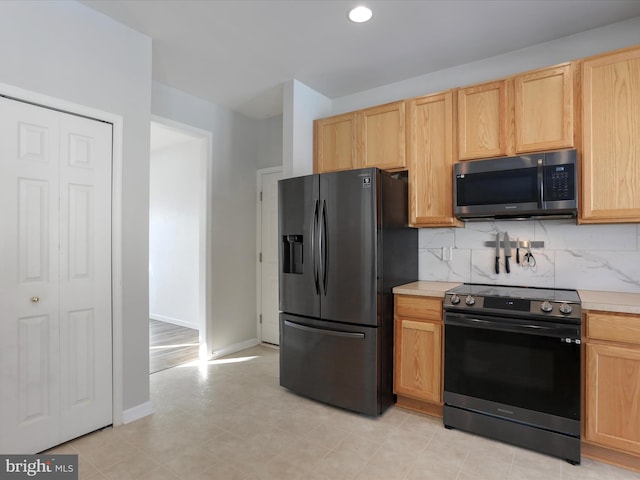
{"x": 562, "y": 331}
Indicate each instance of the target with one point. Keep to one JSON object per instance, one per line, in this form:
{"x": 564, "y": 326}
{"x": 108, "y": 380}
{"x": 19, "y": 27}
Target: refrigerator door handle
{"x": 323, "y": 246}
{"x": 319, "y": 256}
{"x": 322, "y": 331}
{"x": 314, "y": 229}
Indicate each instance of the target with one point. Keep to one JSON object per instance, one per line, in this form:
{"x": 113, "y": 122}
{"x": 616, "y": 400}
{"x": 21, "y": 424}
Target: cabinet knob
{"x": 35, "y": 299}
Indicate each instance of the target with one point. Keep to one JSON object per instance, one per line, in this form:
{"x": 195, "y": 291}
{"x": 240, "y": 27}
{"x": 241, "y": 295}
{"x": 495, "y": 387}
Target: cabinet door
{"x": 418, "y": 347}
{"x": 418, "y": 359}
{"x": 483, "y": 120}
{"x": 430, "y": 150}
{"x": 613, "y": 396}
{"x": 335, "y": 143}
{"x": 611, "y": 138}
{"x": 544, "y": 109}
{"x": 382, "y": 136}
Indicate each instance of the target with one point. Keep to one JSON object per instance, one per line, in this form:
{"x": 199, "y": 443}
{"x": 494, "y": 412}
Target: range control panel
{"x": 524, "y": 301}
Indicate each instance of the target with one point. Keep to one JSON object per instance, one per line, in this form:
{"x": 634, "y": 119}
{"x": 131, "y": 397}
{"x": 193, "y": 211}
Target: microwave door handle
{"x": 540, "y": 184}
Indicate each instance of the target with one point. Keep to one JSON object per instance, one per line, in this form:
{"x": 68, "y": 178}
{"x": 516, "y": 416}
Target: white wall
{"x": 232, "y": 223}
{"x": 591, "y": 42}
{"x": 174, "y": 233}
{"x": 301, "y": 105}
{"x": 270, "y": 143}
{"x": 595, "y": 257}
{"x": 65, "y": 50}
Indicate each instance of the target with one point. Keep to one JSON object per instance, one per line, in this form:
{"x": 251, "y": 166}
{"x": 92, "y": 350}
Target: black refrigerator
{"x": 344, "y": 244}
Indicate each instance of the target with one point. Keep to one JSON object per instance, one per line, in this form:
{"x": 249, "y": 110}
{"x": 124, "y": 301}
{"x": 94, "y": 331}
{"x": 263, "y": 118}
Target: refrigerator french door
{"x": 344, "y": 245}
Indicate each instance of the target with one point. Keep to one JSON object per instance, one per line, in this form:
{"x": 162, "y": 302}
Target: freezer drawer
{"x": 331, "y": 362}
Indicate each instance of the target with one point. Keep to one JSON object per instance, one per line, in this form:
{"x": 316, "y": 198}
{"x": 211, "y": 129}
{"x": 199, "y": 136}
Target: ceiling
{"x": 238, "y": 53}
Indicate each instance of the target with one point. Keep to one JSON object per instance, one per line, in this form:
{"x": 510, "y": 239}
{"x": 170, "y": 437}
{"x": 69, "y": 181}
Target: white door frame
{"x": 206, "y": 198}
{"x": 259, "y": 173}
{"x": 47, "y": 101}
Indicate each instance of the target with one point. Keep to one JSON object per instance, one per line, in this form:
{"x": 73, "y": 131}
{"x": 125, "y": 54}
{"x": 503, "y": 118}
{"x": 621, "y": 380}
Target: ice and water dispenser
{"x": 292, "y": 254}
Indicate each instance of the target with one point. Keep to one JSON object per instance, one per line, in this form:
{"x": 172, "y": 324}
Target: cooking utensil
{"x": 518, "y": 250}
{"x": 507, "y": 252}
{"x": 497, "y": 253}
{"x": 528, "y": 260}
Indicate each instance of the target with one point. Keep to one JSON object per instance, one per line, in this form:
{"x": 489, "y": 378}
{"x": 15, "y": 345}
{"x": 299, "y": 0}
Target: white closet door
{"x": 85, "y": 276}
{"x": 53, "y": 348}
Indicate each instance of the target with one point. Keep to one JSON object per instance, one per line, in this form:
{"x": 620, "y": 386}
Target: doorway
{"x": 177, "y": 244}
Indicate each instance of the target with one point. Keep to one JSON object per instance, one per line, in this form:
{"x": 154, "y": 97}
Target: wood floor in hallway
{"x": 171, "y": 345}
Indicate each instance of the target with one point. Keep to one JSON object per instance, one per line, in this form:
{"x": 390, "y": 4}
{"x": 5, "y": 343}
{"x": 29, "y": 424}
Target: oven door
{"x": 514, "y": 368}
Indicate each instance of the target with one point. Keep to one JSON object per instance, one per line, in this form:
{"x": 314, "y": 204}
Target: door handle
{"x": 540, "y": 183}
{"x": 314, "y": 228}
{"x": 325, "y": 250}
{"x": 322, "y": 331}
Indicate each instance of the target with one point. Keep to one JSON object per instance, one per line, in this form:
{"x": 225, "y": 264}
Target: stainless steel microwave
{"x": 528, "y": 186}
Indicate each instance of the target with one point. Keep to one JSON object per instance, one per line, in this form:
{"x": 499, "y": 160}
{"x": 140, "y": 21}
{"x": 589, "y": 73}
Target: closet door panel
{"x": 29, "y": 285}
{"x": 85, "y": 275}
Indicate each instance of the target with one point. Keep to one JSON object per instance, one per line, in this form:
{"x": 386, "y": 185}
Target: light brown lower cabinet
{"x": 418, "y": 353}
{"x": 612, "y": 388}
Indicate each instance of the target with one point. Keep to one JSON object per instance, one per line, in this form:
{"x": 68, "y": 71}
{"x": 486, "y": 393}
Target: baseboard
{"x": 613, "y": 457}
{"x": 234, "y": 348}
{"x": 175, "y": 321}
{"x": 137, "y": 412}
{"x": 433, "y": 409}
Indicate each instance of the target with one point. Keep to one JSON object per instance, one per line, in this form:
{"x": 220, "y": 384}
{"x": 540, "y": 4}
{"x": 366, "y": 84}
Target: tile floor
{"x": 231, "y": 420}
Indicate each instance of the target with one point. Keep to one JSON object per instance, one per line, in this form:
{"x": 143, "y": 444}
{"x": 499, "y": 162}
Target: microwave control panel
{"x": 559, "y": 182}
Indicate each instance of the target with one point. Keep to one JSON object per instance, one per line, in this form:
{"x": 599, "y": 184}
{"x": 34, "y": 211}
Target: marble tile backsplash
{"x": 589, "y": 257}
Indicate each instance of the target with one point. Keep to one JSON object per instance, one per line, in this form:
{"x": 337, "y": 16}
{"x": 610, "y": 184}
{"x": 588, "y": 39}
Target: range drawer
{"x": 415, "y": 306}
{"x": 614, "y": 327}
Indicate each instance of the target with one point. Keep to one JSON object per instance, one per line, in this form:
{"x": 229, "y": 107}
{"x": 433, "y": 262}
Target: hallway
{"x": 171, "y": 345}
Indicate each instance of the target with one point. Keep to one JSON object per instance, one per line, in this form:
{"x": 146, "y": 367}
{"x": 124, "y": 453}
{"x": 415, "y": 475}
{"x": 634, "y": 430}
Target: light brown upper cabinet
{"x": 544, "y": 109}
{"x": 483, "y": 120}
{"x": 431, "y": 153}
{"x": 611, "y": 138}
{"x": 382, "y": 136}
{"x": 530, "y": 112}
{"x": 335, "y": 143}
{"x": 373, "y": 137}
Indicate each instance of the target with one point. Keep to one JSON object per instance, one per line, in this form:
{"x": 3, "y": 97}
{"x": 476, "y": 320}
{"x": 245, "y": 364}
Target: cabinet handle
{"x": 35, "y": 299}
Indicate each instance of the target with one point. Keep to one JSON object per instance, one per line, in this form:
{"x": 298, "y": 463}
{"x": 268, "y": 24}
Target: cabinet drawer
{"x": 427, "y": 308}
{"x": 615, "y": 327}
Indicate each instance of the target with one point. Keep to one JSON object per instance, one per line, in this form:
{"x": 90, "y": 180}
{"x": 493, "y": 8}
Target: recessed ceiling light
{"x": 360, "y": 14}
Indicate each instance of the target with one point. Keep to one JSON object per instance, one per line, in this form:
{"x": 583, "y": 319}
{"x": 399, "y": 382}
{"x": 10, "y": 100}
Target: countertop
{"x": 425, "y": 289}
{"x": 610, "y": 301}
{"x": 591, "y": 299}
